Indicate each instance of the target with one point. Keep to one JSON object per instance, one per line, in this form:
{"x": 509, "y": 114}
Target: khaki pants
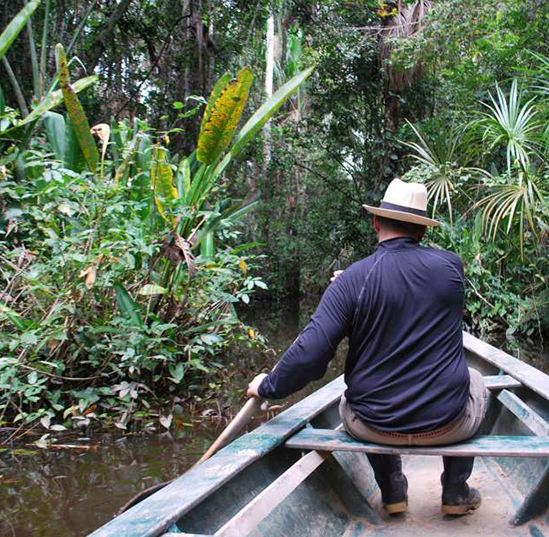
{"x": 461, "y": 428}
{"x": 456, "y": 469}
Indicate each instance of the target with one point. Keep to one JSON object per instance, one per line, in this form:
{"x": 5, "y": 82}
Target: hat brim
{"x": 402, "y": 216}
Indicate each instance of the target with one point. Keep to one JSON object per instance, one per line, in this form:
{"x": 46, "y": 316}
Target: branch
{"x": 153, "y": 67}
{"x": 102, "y": 40}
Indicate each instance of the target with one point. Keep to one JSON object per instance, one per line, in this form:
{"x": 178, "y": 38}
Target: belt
{"x": 427, "y": 434}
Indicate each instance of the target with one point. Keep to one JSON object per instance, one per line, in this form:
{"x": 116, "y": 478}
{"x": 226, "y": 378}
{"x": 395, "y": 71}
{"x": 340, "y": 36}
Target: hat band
{"x": 402, "y": 208}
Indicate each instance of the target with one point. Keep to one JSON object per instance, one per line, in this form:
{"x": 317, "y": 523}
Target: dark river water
{"x": 72, "y": 492}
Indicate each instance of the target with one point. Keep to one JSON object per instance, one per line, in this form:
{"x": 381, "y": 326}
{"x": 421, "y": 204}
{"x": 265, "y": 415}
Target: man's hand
{"x": 254, "y": 385}
{"x": 335, "y": 275}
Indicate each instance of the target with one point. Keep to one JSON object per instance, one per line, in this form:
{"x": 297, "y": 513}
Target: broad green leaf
{"x": 122, "y": 171}
{"x": 75, "y": 111}
{"x": 207, "y": 246}
{"x": 197, "y": 185}
{"x": 74, "y": 158}
{"x": 217, "y": 131}
{"x": 184, "y": 178}
{"x": 55, "y": 132}
{"x": 178, "y": 372}
{"x": 127, "y": 306}
{"x": 265, "y": 112}
{"x": 55, "y": 98}
{"x": 236, "y": 215}
{"x": 216, "y": 92}
{"x": 152, "y": 289}
{"x": 143, "y": 157}
{"x": 13, "y": 29}
{"x": 162, "y": 180}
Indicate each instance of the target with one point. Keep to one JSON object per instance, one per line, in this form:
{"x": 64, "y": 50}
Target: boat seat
{"x": 484, "y": 446}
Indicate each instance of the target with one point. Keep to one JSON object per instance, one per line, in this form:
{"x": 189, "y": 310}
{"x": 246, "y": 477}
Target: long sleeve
{"x": 308, "y": 356}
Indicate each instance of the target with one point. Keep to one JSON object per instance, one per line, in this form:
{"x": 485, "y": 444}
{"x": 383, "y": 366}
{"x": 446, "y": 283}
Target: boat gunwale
{"x": 529, "y": 376}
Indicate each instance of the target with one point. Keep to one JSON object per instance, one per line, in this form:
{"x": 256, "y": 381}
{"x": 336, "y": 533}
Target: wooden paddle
{"x": 246, "y": 413}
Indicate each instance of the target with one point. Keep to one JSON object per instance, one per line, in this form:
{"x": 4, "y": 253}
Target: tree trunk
{"x": 269, "y": 74}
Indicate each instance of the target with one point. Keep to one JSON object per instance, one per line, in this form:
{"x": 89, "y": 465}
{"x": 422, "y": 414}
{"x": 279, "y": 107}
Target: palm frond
{"x": 441, "y": 156}
{"x": 516, "y": 202}
{"x": 513, "y": 125}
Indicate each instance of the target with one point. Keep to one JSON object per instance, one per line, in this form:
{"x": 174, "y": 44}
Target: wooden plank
{"x": 154, "y": 515}
{"x": 535, "y": 503}
{"x": 248, "y": 518}
{"x": 524, "y": 373}
{"x": 178, "y": 534}
{"x": 486, "y": 446}
{"x": 524, "y": 413}
{"x": 500, "y": 382}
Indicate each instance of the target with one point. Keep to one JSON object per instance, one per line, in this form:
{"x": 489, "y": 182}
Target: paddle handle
{"x": 247, "y": 412}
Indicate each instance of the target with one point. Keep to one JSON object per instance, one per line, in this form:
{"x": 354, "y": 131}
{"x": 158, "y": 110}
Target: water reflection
{"x": 70, "y": 493}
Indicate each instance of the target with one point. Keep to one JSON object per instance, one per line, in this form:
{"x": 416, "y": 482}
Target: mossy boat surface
{"x": 299, "y": 476}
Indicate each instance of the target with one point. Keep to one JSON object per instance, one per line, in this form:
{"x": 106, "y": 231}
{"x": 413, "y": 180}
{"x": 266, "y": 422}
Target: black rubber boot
{"x": 457, "y": 497}
{"x": 391, "y": 481}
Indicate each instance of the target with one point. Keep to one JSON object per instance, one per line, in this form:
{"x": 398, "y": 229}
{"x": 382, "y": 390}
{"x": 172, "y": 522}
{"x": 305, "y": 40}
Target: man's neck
{"x": 385, "y": 235}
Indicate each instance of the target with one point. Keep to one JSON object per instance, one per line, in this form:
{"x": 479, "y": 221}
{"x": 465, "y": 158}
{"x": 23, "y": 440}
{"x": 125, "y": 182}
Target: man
{"x": 407, "y": 381}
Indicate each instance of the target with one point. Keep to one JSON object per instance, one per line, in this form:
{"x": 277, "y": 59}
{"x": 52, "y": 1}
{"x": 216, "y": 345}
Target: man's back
{"x": 405, "y": 369}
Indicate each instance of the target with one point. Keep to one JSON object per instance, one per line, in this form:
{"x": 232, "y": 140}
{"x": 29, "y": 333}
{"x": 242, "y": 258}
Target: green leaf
{"x": 207, "y": 248}
{"x": 13, "y": 29}
{"x": 143, "y": 157}
{"x": 265, "y": 112}
{"x": 12, "y": 316}
{"x": 210, "y": 339}
{"x": 216, "y": 92}
{"x": 152, "y": 289}
{"x": 55, "y": 98}
{"x": 221, "y": 119}
{"x": 162, "y": 180}
{"x": 166, "y": 421}
{"x": 55, "y": 132}
{"x": 75, "y": 111}
{"x": 58, "y": 428}
{"x": 29, "y": 338}
{"x": 178, "y": 372}
{"x": 184, "y": 178}
{"x": 127, "y": 306}
{"x": 74, "y": 158}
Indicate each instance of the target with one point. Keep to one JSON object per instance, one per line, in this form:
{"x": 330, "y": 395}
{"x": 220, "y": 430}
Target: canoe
{"x": 300, "y": 475}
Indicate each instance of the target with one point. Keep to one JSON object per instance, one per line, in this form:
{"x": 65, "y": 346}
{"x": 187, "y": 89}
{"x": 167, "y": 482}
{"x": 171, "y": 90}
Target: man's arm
{"x": 308, "y": 356}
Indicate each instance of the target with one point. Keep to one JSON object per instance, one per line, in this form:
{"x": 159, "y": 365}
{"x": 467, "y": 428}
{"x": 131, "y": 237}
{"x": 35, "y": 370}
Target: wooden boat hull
{"x": 263, "y": 487}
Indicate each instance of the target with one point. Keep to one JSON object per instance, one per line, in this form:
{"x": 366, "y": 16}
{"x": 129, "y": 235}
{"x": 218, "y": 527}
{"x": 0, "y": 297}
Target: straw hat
{"x": 406, "y": 202}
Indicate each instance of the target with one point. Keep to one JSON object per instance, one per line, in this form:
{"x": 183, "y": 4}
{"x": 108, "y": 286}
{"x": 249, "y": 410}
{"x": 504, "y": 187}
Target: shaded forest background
{"x": 453, "y": 93}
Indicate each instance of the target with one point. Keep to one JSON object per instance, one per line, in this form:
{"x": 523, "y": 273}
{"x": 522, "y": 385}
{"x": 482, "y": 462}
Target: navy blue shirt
{"x": 401, "y": 309}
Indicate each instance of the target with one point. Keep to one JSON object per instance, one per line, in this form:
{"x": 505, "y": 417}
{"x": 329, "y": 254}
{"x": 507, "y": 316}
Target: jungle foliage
{"x": 121, "y": 264}
{"x": 135, "y": 215}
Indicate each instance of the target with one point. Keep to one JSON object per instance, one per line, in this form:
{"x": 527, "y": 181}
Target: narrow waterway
{"x": 70, "y": 493}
